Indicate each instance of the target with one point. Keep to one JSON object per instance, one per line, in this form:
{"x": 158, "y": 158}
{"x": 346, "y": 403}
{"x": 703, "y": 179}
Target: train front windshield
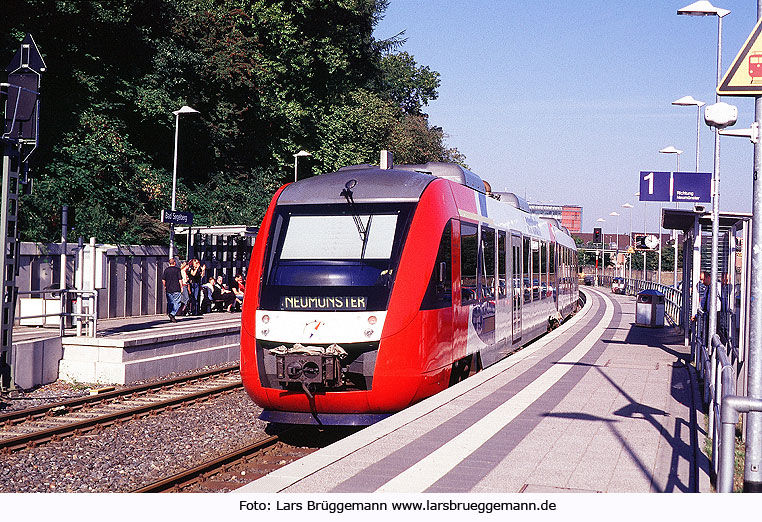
{"x": 334, "y": 257}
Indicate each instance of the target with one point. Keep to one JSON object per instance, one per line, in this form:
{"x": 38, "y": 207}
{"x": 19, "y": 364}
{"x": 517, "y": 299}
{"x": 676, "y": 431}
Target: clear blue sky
{"x": 567, "y": 101}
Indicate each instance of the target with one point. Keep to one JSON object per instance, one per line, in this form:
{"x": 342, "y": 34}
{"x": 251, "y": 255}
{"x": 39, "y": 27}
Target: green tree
{"x": 269, "y": 77}
{"x": 406, "y": 83}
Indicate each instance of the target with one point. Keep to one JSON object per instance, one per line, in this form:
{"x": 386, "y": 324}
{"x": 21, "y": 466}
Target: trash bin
{"x": 649, "y": 309}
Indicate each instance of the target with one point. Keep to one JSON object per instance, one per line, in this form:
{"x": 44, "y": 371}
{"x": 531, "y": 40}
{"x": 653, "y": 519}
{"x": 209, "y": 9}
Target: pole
{"x": 630, "y": 242}
{"x": 64, "y": 230}
{"x": 617, "y": 242}
{"x": 296, "y": 158}
{"x": 715, "y": 201}
{"x": 674, "y": 262}
{"x": 698, "y": 134}
{"x": 62, "y": 280}
{"x": 752, "y": 477}
{"x": 174, "y": 189}
{"x": 661, "y": 210}
{"x": 79, "y": 285}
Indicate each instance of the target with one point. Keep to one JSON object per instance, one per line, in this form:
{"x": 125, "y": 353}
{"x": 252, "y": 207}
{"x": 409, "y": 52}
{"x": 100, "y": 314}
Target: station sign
{"x": 176, "y": 217}
{"x": 692, "y": 187}
{"x": 654, "y": 186}
{"x": 677, "y": 187}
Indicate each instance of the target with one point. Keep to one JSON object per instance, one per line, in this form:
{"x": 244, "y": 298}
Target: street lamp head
{"x": 627, "y": 205}
{"x": 615, "y": 214}
{"x": 688, "y": 100}
{"x": 703, "y": 8}
{"x": 601, "y": 220}
{"x": 670, "y": 150}
{"x": 184, "y": 110}
{"x": 301, "y": 154}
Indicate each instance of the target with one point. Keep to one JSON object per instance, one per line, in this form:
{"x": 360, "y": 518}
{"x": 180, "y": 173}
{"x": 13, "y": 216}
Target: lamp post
{"x": 300, "y": 154}
{"x": 616, "y": 215}
{"x": 672, "y": 150}
{"x": 629, "y": 256}
{"x": 182, "y": 110}
{"x": 705, "y": 8}
{"x": 686, "y": 101}
{"x": 676, "y": 152}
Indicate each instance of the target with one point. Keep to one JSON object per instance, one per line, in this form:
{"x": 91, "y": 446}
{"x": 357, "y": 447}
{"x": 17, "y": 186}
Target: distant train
{"x": 371, "y": 289}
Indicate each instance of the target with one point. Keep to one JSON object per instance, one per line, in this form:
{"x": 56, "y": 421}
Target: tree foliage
{"x": 268, "y": 77}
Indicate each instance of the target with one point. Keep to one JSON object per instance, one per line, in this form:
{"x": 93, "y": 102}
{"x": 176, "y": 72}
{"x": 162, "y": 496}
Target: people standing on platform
{"x": 184, "y": 293}
{"x": 195, "y": 275}
{"x": 705, "y": 306}
{"x": 172, "y": 280}
{"x": 701, "y": 287}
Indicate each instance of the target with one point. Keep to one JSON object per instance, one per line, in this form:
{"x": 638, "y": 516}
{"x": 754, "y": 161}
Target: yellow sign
{"x": 630, "y": 250}
{"x": 744, "y": 78}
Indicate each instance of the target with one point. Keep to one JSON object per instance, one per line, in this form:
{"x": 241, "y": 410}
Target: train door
{"x": 503, "y": 310}
{"x": 487, "y": 293}
{"x": 553, "y": 273}
{"x": 517, "y": 273}
{"x": 469, "y": 248}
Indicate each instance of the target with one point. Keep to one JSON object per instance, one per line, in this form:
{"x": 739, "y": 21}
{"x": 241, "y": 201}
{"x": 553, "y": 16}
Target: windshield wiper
{"x": 362, "y": 229}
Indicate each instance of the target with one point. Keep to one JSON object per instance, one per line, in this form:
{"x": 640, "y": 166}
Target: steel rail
{"x": 70, "y": 404}
{"x": 191, "y": 474}
{"x": 23, "y": 441}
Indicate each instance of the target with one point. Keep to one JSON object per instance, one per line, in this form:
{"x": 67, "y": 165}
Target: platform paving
{"x": 599, "y": 405}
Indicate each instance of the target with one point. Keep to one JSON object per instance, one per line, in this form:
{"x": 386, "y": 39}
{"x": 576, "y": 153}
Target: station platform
{"x": 598, "y": 405}
{"x": 126, "y": 349}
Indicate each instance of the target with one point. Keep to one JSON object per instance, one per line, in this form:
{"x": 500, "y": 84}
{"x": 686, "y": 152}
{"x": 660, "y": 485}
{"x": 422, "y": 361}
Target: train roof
{"x": 451, "y": 171}
{"x": 371, "y": 185}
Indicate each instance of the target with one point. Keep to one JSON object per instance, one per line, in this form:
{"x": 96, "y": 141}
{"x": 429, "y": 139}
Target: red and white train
{"x": 370, "y": 290}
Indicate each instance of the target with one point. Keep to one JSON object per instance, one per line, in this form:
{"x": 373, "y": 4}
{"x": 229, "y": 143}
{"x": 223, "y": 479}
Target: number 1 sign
{"x": 655, "y": 186}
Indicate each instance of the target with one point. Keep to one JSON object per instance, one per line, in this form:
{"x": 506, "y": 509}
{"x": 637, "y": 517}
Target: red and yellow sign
{"x": 744, "y": 78}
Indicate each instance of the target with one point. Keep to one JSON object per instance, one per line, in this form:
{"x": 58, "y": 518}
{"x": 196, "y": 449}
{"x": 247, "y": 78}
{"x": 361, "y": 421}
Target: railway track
{"x": 30, "y": 427}
{"x": 234, "y": 469}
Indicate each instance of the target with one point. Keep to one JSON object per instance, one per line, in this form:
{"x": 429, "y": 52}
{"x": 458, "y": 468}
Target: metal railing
{"x": 714, "y": 363}
{"x": 83, "y": 320}
{"x": 673, "y": 298}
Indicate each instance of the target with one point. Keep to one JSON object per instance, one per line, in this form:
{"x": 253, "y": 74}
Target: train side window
{"x": 552, "y": 276}
{"x": 469, "y": 250}
{"x": 543, "y": 269}
{"x": 488, "y": 260}
{"x": 439, "y": 292}
{"x": 535, "y": 270}
{"x": 502, "y": 281}
{"x": 527, "y": 271}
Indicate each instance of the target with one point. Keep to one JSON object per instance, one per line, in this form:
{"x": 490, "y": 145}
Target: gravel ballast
{"x": 122, "y": 458}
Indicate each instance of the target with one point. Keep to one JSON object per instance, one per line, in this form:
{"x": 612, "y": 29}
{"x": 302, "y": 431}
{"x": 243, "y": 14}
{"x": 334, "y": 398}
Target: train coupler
{"x": 309, "y": 366}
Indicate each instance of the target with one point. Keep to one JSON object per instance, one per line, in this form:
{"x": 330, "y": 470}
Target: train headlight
{"x": 372, "y": 320}
{"x": 369, "y": 332}
{"x": 265, "y": 319}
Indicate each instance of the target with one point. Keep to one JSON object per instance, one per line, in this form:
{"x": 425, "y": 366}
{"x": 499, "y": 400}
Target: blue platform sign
{"x": 176, "y": 217}
{"x": 692, "y": 187}
{"x": 654, "y": 186}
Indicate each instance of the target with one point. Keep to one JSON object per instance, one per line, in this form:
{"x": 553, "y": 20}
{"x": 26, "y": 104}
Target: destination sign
{"x": 301, "y": 302}
{"x": 177, "y": 217}
{"x": 693, "y": 187}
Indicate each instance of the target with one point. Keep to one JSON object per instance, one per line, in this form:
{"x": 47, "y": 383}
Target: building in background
{"x": 569, "y": 216}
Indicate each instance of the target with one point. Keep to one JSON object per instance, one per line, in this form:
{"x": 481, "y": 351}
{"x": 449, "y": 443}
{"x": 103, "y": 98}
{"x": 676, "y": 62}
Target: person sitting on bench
{"x": 219, "y": 298}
